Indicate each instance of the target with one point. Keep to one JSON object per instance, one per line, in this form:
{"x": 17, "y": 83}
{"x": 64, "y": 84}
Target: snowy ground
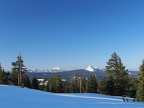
{"x": 16, "y": 97}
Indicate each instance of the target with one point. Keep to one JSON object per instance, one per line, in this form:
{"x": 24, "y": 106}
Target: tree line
{"x": 116, "y": 83}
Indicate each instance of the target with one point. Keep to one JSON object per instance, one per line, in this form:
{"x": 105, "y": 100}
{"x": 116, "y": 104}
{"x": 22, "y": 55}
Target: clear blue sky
{"x": 71, "y": 33}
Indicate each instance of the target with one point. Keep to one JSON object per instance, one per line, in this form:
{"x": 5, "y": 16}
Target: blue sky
{"x": 71, "y": 33}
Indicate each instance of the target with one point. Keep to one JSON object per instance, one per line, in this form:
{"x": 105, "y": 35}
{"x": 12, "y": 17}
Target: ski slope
{"x": 16, "y": 97}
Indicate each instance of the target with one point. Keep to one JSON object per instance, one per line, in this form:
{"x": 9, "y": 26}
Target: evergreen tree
{"x": 110, "y": 85}
{"x": 48, "y": 86}
{"x": 132, "y": 87}
{"x": 14, "y": 77}
{"x": 19, "y": 67}
{"x": 27, "y": 82}
{"x": 58, "y": 84}
{"x": 34, "y": 83}
{"x": 3, "y": 77}
{"x": 102, "y": 86}
{"x": 117, "y": 75}
{"x": 74, "y": 84}
{"x": 92, "y": 84}
{"x": 8, "y": 77}
{"x": 72, "y": 87}
{"x": 0, "y": 67}
{"x": 55, "y": 84}
{"x": 66, "y": 87}
{"x": 83, "y": 85}
{"x": 140, "y": 89}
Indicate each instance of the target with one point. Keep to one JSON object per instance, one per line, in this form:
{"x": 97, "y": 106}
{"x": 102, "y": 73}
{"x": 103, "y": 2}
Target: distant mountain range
{"x": 55, "y": 69}
{"x": 58, "y": 69}
{"x": 68, "y": 75}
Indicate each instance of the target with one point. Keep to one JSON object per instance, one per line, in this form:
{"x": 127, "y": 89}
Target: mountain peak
{"x": 92, "y": 69}
{"x": 56, "y": 69}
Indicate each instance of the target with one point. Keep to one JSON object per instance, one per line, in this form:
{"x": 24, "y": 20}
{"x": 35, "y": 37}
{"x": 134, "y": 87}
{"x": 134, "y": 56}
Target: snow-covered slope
{"x": 92, "y": 69}
{"x": 16, "y": 97}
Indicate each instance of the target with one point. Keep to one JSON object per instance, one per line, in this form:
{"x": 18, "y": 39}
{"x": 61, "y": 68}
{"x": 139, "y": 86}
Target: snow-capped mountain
{"x": 92, "y": 69}
{"x": 56, "y": 69}
{"x": 38, "y": 70}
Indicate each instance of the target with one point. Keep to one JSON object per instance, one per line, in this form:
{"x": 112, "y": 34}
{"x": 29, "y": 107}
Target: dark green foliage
{"x": 140, "y": 90}
{"x": 27, "y": 82}
{"x": 0, "y": 67}
{"x": 58, "y": 84}
{"x": 132, "y": 87}
{"x": 34, "y": 83}
{"x": 66, "y": 87}
{"x": 73, "y": 85}
{"x": 83, "y": 85}
{"x": 3, "y": 77}
{"x": 92, "y": 84}
{"x": 102, "y": 86}
{"x": 19, "y": 67}
{"x": 72, "y": 88}
{"x": 14, "y": 77}
{"x": 117, "y": 76}
{"x": 78, "y": 86}
{"x": 110, "y": 85}
{"x": 55, "y": 84}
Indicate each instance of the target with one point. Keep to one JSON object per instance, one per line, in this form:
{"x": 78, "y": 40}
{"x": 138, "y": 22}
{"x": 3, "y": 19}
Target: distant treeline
{"x": 118, "y": 82}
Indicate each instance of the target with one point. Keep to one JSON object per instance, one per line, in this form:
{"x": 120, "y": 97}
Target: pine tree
{"x": 50, "y": 85}
{"x": 140, "y": 89}
{"x": 34, "y": 83}
{"x": 110, "y": 85}
{"x": 102, "y": 86}
{"x": 66, "y": 87}
{"x": 19, "y": 67}
{"x": 14, "y": 77}
{"x": 72, "y": 87}
{"x": 3, "y": 76}
{"x": 132, "y": 87}
{"x": 58, "y": 84}
{"x": 55, "y": 84}
{"x": 81, "y": 84}
{"x": 117, "y": 75}
{"x": 0, "y": 67}
{"x": 92, "y": 84}
{"x": 27, "y": 82}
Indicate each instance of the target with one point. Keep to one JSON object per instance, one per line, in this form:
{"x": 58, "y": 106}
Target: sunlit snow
{"x": 16, "y": 97}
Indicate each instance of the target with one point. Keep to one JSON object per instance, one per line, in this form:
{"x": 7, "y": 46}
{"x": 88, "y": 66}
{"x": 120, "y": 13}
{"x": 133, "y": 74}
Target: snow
{"x": 16, "y": 97}
{"x": 56, "y": 69}
{"x": 38, "y": 70}
{"x": 92, "y": 69}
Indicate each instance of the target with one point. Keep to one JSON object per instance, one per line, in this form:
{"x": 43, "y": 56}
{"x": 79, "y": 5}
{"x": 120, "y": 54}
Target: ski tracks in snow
{"x": 89, "y": 97}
